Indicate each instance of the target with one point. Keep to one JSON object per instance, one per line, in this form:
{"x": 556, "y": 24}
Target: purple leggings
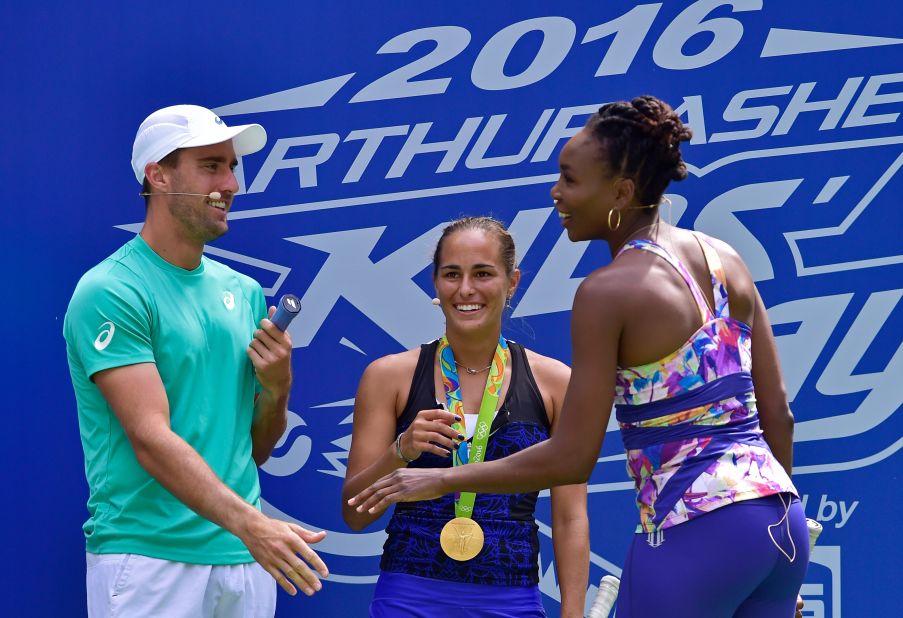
{"x": 721, "y": 565}
{"x": 399, "y": 595}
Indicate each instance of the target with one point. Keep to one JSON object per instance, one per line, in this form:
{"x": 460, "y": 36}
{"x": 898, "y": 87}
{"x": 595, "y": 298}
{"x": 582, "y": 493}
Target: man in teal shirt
{"x": 182, "y": 384}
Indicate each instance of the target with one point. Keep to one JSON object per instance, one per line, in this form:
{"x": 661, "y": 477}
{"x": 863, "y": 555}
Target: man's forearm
{"x": 282, "y": 549}
{"x": 185, "y": 474}
{"x": 270, "y": 419}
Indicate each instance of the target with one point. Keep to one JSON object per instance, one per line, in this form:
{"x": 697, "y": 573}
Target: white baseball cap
{"x": 187, "y": 126}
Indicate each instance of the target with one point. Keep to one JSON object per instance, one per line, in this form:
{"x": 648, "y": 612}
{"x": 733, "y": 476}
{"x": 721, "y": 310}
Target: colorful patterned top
{"x": 689, "y": 421}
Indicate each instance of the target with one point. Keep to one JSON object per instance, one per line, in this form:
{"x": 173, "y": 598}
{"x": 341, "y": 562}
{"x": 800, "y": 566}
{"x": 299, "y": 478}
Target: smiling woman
{"x": 478, "y": 551}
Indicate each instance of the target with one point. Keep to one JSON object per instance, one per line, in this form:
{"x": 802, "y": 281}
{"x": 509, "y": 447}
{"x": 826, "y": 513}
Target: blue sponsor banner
{"x": 387, "y": 121}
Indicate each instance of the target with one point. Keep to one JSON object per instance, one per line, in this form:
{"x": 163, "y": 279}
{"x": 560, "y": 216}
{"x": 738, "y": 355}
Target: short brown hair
{"x": 171, "y": 160}
{"x": 490, "y": 226}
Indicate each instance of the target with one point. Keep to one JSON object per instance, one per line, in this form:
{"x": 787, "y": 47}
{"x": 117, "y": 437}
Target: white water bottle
{"x": 814, "y": 530}
{"x": 605, "y": 598}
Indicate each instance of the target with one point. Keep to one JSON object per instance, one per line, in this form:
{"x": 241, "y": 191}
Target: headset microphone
{"x": 213, "y": 195}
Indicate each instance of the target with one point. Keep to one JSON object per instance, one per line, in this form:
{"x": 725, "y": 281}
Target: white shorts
{"x": 135, "y": 586}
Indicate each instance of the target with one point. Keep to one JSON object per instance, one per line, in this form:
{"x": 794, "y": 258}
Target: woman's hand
{"x": 799, "y": 606}
{"x": 404, "y": 485}
{"x": 430, "y": 432}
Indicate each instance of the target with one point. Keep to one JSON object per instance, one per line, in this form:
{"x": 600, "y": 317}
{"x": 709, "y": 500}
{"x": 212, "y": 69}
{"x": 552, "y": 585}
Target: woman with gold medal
{"x": 469, "y": 396}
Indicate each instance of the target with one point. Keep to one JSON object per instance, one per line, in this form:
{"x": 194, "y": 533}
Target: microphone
{"x": 213, "y": 195}
{"x": 288, "y": 307}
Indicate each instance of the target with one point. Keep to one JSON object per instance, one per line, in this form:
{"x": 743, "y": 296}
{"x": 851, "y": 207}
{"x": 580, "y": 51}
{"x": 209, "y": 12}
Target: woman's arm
{"x": 771, "y": 396}
{"x": 373, "y": 452}
{"x": 747, "y": 306}
{"x": 570, "y": 524}
{"x": 570, "y": 539}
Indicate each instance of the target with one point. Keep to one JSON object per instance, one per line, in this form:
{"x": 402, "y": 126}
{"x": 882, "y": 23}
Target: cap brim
{"x": 246, "y": 139}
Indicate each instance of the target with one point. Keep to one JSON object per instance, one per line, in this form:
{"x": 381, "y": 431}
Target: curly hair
{"x": 490, "y": 226}
{"x": 641, "y": 140}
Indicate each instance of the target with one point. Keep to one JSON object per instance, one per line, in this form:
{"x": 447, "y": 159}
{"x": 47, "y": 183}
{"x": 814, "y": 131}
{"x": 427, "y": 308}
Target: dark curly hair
{"x": 488, "y": 225}
{"x": 641, "y": 140}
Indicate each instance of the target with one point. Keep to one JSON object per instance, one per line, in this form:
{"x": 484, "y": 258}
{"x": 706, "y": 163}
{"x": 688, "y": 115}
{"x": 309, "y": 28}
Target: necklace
{"x": 471, "y": 370}
{"x": 631, "y": 235}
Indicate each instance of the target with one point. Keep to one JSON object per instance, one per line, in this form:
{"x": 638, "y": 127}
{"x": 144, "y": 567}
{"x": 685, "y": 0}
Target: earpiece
{"x": 213, "y": 195}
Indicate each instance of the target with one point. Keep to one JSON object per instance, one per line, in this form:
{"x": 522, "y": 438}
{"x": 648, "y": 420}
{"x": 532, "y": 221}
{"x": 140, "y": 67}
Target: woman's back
{"x": 657, "y": 306}
{"x": 688, "y": 417}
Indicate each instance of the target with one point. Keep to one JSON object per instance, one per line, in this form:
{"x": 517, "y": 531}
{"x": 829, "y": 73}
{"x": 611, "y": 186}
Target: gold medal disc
{"x": 461, "y": 539}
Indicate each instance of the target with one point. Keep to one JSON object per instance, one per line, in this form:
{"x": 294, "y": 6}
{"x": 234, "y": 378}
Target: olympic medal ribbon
{"x": 462, "y": 538}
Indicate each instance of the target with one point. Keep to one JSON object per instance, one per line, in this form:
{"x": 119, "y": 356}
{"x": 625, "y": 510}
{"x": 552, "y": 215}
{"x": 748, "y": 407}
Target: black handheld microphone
{"x": 288, "y": 307}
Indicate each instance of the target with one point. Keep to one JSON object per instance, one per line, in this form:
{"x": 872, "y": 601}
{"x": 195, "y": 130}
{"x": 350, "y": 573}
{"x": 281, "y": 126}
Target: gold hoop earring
{"x": 617, "y": 223}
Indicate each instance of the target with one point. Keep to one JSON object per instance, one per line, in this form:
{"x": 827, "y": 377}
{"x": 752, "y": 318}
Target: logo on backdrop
{"x": 799, "y": 204}
{"x": 821, "y": 591}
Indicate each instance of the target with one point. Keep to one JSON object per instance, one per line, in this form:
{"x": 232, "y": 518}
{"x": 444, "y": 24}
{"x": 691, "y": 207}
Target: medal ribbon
{"x": 452, "y": 386}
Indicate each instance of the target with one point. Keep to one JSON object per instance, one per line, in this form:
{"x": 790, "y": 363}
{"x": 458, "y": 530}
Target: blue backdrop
{"x": 386, "y": 122}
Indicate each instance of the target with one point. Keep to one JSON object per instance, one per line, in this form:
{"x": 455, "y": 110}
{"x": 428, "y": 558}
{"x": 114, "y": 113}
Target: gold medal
{"x": 461, "y": 539}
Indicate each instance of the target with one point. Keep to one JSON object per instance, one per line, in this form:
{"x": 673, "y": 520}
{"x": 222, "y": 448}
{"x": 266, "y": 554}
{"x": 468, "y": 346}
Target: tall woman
{"x": 468, "y": 396}
{"x": 675, "y": 335}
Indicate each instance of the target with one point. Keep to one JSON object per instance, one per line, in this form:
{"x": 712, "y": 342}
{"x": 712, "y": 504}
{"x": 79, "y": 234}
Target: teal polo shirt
{"x": 194, "y": 325}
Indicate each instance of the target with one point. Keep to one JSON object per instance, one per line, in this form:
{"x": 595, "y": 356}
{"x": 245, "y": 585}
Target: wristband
{"x": 398, "y": 450}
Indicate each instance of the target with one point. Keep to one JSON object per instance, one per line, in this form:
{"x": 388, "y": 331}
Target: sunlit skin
{"x": 178, "y": 226}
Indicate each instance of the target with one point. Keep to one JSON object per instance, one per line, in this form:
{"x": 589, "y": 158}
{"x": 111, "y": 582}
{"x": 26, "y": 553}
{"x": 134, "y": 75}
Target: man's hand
{"x": 270, "y": 352}
{"x": 283, "y": 550}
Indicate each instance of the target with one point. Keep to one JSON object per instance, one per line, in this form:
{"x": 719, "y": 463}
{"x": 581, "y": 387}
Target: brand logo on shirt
{"x": 229, "y": 300}
{"x": 107, "y": 329}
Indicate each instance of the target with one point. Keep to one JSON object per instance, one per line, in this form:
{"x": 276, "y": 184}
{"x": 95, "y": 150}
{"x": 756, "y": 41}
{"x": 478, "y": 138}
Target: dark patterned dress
{"x": 510, "y": 554}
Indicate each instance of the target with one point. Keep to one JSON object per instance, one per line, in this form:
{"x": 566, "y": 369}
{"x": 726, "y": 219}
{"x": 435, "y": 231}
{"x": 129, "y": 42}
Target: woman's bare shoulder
{"x": 726, "y": 253}
{"x": 394, "y": 366}
{"x": 616, "y": 287}
{"x": 740, "y": 284}
{"x": 546, "y": 366}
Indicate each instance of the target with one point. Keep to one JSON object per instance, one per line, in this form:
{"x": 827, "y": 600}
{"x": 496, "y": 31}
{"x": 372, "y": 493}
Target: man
{"x": 182, "y": 385}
